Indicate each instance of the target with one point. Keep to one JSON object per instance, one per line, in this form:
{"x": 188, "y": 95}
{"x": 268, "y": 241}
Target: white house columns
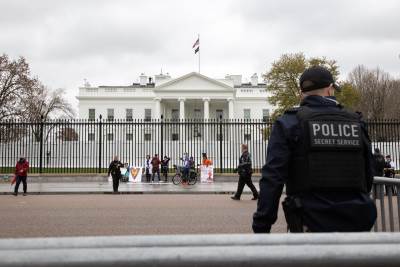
{"x": 206, "y": 101}
{"x": 157, "y": 111}
{"x": 181, "y": 108}
{"x": 230, "y": 108}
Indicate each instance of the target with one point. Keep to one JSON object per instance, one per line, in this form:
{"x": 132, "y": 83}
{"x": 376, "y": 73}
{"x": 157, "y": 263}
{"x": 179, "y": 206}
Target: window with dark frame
{"x": 129, "y": 114}
{"x": 92, "y": 114}
{"x": 219, "y": 113}
{"x": 246, "y": 114}
{"x": 147, "y": 137}
{"x": 247, "y": 137}
{"x": 129, "y": 137}
{"x": 265, "y": 115}
{"x": 147, "y": 114}
{"x": 91, "y": 137}
{"x": 110, "y": 114}
{"x": 175, "y": 114}
{"x": 175, "y": 137}
{"x": 110, "y": 137}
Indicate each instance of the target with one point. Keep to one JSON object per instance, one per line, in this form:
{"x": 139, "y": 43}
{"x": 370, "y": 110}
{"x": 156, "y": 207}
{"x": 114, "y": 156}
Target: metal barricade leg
{"x": 382, "y": 201}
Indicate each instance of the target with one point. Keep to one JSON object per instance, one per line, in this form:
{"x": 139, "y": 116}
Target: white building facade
{"x": 192, "y": 96}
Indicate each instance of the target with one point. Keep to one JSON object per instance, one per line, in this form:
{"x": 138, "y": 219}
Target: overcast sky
{"x": 112, "y": 42}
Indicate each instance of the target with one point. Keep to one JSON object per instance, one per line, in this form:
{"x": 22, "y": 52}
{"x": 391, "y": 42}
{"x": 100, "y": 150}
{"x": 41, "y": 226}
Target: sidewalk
{"x": 48, "y": 188}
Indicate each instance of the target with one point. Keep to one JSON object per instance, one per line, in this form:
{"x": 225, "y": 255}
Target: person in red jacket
{"x": 21, "y": 172}
{"x": 155, "y": 162}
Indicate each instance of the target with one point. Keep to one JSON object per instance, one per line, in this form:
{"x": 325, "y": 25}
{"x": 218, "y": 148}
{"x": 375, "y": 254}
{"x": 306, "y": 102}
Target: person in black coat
{"x": 245, "y": 171}
{"x": 164, "y": 167}
{"x": 379, "y": 162}
{"x": 115, "y": 171}
{"x": 322, "y": 154}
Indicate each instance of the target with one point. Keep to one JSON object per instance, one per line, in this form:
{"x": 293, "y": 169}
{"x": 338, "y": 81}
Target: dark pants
{"x": 18, "y": 181}
{"x": 185, "y": 173}
{"x": 245, "y": 180}
{"x": 148, "y": 176}
{"x": 115, "y": 178}
{"x": 164, "y": 171}
{"x": 154, "y": 174}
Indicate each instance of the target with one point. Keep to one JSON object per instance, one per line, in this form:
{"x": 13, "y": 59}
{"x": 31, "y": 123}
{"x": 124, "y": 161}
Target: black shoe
{"x": 255, "y": 198}
{"x": 235, "y": 198}
{"x": 15, "y": 194}
{"x": 24, "y": 194}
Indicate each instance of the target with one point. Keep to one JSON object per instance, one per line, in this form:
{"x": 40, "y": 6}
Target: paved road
{"x": 85, "y": 215}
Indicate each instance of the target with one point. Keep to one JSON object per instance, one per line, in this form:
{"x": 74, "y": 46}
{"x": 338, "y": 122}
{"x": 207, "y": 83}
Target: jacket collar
{"x": 316, "y": 100}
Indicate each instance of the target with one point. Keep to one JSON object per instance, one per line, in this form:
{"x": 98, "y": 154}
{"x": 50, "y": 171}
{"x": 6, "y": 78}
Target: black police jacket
{"x": 244, "y": 167}
{"x": 114, "y": 167}
{"x": 322, "y": 211}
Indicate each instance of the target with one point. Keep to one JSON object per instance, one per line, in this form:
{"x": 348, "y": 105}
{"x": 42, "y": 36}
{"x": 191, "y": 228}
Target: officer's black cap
{"x": 316, "y": 77}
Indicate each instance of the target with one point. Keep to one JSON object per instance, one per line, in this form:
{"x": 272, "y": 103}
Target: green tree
{"x": 348, "y": 96}
{"x": 283, "y": 79}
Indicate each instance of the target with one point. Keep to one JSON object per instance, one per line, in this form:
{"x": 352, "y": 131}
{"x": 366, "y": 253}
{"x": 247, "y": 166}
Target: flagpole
{"x": 198, "y": 38}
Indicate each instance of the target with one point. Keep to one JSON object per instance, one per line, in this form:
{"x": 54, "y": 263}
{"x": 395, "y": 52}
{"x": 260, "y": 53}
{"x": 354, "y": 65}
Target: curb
{"x": 130, "y": 193}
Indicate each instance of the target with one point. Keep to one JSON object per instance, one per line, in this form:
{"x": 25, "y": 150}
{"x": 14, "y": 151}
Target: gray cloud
{"x": 112, "y": 42}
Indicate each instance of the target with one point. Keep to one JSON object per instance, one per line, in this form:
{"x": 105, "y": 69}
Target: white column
{"x": 181, "y": 108}
{"x": 230, "y": 108}
{"x": 206, "y": 101}
{"x": 181, "y": 118}
{"x": 157, "y": 110}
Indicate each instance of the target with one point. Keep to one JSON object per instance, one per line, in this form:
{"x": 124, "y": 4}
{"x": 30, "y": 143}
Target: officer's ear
{"x": 331, "y": 90}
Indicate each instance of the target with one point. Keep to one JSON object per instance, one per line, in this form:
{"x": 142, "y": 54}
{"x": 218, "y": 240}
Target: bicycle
{"x": 179, "y": 177}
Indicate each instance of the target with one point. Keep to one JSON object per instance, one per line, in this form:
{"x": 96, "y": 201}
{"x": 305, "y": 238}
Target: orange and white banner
{"x": 206, "y": 174}
{"x": 135, "y": 174}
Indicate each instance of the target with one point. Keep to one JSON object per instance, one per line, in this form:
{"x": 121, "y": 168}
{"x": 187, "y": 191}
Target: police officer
{"x": 115, "y": 171}
{"x": 322, "y": 153}
{"x": 245, "y": 171}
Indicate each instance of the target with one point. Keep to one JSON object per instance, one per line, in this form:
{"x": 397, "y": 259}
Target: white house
{"x": 192, "y": 96}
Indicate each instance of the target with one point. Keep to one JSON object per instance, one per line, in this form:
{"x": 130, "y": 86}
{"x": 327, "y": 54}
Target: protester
{"x": 164, "y": 167}
{"x": 21, "y": 173}
{"x": 147, "y": 168}
{"x": 155, "y": 162}
{"x": 115, "y": 171}
{"x": 206, "y": 161}
{"x": 245, "y": 171}
{"x": 389, "y": 167}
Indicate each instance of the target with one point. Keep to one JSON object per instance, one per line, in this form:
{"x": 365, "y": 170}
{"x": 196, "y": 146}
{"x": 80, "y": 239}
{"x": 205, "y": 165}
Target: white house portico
{"x": 192, "y": 96}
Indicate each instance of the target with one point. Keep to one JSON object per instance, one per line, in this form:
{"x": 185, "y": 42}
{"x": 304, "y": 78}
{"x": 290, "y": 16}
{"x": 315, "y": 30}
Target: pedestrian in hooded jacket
{"x": 21, "y": 173}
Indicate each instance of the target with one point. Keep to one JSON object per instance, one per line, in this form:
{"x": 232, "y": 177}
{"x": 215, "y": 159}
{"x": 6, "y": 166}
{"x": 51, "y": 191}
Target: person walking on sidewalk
{"x": 21, "y": 173}
{"x": 245, "y": 171}
{"x": 115, "y": 171}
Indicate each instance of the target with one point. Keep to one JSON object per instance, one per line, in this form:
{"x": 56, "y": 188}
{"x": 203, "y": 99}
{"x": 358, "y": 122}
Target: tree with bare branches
{"x": 378, "y": 91}
{"x": 15, "y": 83}
{"x": 44, "y": 104}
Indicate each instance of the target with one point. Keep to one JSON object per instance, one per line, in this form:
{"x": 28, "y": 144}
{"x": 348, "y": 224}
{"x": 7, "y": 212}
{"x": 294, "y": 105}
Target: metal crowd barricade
{"x": 296, "y": 250}
{"x": 386, "y": 195}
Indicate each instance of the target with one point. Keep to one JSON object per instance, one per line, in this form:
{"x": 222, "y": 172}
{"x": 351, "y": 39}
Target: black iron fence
{"x": 87, "y": 146}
